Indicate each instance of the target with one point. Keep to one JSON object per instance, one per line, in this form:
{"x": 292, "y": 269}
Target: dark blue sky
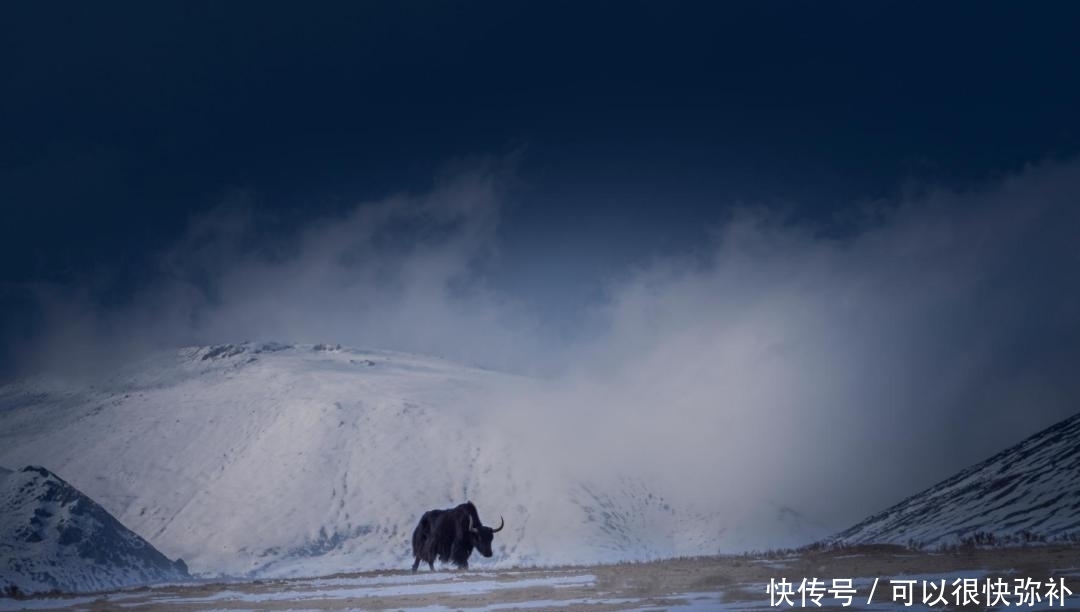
{"x": 634, "y": 126}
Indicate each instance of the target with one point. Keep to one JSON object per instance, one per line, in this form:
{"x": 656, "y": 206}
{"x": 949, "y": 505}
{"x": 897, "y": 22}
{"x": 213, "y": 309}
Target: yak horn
{"x": 501, "y": 524}
{"x": 471, "y": 528}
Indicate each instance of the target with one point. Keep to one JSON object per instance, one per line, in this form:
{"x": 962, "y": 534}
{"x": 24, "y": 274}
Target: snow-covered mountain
{"x": 271, "y": 460}
{"x": 52, "y": 537}
{"x": 1029, "y": 491}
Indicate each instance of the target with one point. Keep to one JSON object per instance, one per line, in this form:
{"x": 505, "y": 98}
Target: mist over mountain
{"x": 268, "y": 459}
{"x": 763, "y": 362}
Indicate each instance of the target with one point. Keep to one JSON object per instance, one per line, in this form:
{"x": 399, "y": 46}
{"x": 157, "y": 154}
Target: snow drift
{"x": 52, "y": 537}
{"x": 270, "y": 460}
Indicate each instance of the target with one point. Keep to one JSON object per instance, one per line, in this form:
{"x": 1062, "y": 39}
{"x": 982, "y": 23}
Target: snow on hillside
{"x": 1031, "y": 490}
{"x": 52, "y": 537}
{"x": 269, "y": 459}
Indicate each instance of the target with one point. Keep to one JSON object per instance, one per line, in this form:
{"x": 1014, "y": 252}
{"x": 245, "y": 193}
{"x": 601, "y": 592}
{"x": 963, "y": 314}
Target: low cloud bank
{"x": 776, "y": 363}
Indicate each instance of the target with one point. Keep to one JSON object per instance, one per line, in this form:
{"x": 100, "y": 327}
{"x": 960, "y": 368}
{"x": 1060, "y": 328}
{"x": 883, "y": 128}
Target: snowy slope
{"x": 1029, "y": 490}
{"x": 266, "y": 459}
{"x": 629, "y": 516}
{"x": 52, "y": 537}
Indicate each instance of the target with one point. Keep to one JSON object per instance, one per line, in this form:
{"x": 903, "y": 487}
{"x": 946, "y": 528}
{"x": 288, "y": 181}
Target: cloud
{"x": 405, "y": 273}
{"x": 839, "y": 375}
{"x": 778, "y": 362}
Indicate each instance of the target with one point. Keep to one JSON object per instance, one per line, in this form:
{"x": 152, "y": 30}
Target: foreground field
{"x": 701, "y": 584}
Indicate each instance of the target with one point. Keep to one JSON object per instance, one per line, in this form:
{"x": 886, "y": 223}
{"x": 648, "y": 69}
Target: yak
{"x": 450, "y": 535}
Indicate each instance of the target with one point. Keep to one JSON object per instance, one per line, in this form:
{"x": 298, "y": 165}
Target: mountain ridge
{"x": 55, "y": 538}
{"x": 1027, "y": 492}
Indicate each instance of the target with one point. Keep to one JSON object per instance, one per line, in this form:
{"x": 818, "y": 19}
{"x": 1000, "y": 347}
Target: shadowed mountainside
{"x": 52, "y": 537}
{"x": 1028, "y": 492}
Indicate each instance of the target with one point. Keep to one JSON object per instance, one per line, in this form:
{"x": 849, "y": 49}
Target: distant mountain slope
{"x": 271, "y": 460}
{"x": 1031, "y": 490}
{"x": 52, "y": 537}
{"x": 627, "y": 516}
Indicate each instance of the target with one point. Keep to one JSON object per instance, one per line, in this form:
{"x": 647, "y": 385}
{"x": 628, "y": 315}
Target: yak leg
{"x": 415, "y": 564}
{"x": 459, "y": 554}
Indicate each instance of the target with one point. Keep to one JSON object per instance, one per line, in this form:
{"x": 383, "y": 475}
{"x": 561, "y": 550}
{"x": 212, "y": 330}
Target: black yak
{"x": 450, "y": 535}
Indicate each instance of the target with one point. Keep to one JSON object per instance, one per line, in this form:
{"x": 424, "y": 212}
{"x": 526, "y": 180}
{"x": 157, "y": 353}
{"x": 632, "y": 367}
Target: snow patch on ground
{"x": 363, "y": 590}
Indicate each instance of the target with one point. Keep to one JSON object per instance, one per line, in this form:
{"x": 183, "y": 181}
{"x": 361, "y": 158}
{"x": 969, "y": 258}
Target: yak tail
{"x": 421, "y": 535}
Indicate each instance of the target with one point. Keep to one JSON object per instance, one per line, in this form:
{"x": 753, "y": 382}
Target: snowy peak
{"x": 1028, "y": 492}
{"x": 55, "y": 538}
{"x": 267, "y": 458}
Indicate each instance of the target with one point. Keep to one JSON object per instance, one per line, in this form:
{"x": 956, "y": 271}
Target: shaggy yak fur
{"x": 450, "y": 536}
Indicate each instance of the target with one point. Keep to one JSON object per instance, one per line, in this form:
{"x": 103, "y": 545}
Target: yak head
{"x": 482, "y": 536}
